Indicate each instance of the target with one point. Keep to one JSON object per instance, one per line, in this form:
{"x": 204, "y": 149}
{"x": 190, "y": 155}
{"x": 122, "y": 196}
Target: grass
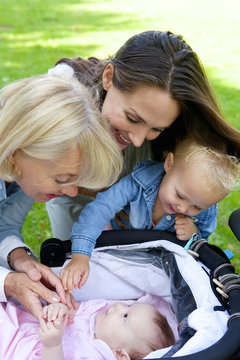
{"x": 35, "y": 34}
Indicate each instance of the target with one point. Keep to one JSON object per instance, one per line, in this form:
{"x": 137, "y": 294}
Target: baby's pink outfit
{"x": 19, "y": 338}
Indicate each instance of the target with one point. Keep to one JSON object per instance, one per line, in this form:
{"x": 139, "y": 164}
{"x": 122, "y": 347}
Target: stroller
{"x": 200, "y": 285}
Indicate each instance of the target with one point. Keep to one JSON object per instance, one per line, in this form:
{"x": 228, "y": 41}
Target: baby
{"x": 179, "y": 195}
{"x": 120, "y": 332}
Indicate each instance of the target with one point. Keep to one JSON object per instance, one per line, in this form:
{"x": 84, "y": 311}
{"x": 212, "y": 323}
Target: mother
{"x": 53, "y": 140}
{"x": 155, "y": 82}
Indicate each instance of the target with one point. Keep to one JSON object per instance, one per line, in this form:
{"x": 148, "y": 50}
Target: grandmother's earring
{"x": 14, "y": 169}
{"x": 12, "y": 165}
{"x": 12, "y": 159}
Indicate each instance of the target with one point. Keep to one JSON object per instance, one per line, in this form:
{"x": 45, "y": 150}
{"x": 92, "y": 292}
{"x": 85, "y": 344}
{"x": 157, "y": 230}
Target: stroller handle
{"x": 234, "y": 223}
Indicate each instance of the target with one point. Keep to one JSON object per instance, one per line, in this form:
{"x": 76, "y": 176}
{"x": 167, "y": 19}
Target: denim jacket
{"x": 14, "y": 207}
{"x": 139, "y": 191}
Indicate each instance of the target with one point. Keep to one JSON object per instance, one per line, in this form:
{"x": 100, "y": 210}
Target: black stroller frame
{"x": 225, "y": 282}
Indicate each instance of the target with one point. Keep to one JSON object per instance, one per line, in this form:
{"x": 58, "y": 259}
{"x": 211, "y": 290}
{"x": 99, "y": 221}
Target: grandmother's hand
{"x": 41, "y": 280}
{"x": 28, "y": 292}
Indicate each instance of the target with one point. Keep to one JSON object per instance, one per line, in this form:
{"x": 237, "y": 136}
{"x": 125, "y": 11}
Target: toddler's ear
{"x": 168, "y": 163}
{"x": 121, "y": 354}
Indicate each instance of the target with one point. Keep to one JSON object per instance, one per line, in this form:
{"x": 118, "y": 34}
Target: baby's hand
{"x": 76, "y": 272}
{"x": 184, "y": 227}
{"x": 55, "y": 312}
{"x": 53, "y": 321}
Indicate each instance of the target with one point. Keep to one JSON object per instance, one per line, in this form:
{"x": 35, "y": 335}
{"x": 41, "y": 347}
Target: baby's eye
{"x": 125, "y": 317}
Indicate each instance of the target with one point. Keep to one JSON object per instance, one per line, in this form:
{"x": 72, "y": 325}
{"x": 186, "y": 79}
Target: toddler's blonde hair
{"x": 221, "y": 171}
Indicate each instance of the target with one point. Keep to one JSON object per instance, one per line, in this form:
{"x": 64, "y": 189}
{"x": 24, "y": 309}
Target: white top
{"x": 3, "y": 274}
{"x": 62, "y": 68}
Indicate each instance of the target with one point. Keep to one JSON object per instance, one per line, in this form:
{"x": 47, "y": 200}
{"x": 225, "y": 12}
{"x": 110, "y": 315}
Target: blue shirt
{"x": 139, "y": 191}
{"x": 14, "y": 207}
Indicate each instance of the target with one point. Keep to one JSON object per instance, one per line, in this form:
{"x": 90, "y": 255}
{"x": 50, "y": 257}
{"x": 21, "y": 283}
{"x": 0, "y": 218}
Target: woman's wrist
{"x": 17, "y": 254}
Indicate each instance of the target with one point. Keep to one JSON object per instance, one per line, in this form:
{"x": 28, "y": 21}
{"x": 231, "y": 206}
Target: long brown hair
{"x": 165, "y": 60}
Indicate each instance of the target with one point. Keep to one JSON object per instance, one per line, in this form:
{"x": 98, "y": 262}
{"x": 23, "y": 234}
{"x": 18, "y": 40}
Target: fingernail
{"x": 55, "y": 299}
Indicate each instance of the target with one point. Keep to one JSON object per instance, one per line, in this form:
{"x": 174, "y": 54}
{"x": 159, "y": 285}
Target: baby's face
{"x": 122, "y": 325}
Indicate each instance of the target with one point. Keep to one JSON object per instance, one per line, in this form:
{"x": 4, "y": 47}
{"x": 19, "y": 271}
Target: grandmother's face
{"x": 46, "y": 179}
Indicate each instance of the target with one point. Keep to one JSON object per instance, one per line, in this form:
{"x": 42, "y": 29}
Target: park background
{"x": 34, "y": 34}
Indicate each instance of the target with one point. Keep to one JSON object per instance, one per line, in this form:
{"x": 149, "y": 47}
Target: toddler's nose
{"x": 183, "y": 208}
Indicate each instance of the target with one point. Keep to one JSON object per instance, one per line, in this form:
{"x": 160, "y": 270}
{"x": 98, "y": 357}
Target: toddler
{"x": 179, "y": 195}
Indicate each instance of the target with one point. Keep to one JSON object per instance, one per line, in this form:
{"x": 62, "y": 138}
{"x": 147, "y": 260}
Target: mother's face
{"x": 138, "y": 115}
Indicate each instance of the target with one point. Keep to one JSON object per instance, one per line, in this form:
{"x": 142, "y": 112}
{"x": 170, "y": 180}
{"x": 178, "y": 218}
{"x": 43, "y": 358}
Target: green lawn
{"x": 35, "y": 34}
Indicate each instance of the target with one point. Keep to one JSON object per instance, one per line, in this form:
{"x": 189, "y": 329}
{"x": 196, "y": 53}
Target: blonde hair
{"x": 46, "y": 117}
{"x": 221, "y": 171}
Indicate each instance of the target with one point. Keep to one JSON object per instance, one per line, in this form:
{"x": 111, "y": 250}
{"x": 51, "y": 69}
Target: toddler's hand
{"x": 119, "y": 217}
{"x": 184, "y": 227}
{"x": 76, "y": 272}
{"x": 73, "y": 309}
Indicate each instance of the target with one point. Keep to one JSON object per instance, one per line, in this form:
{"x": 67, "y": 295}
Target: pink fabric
{"x": 19, "y": 338}
{"x": 78, "y": 341}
